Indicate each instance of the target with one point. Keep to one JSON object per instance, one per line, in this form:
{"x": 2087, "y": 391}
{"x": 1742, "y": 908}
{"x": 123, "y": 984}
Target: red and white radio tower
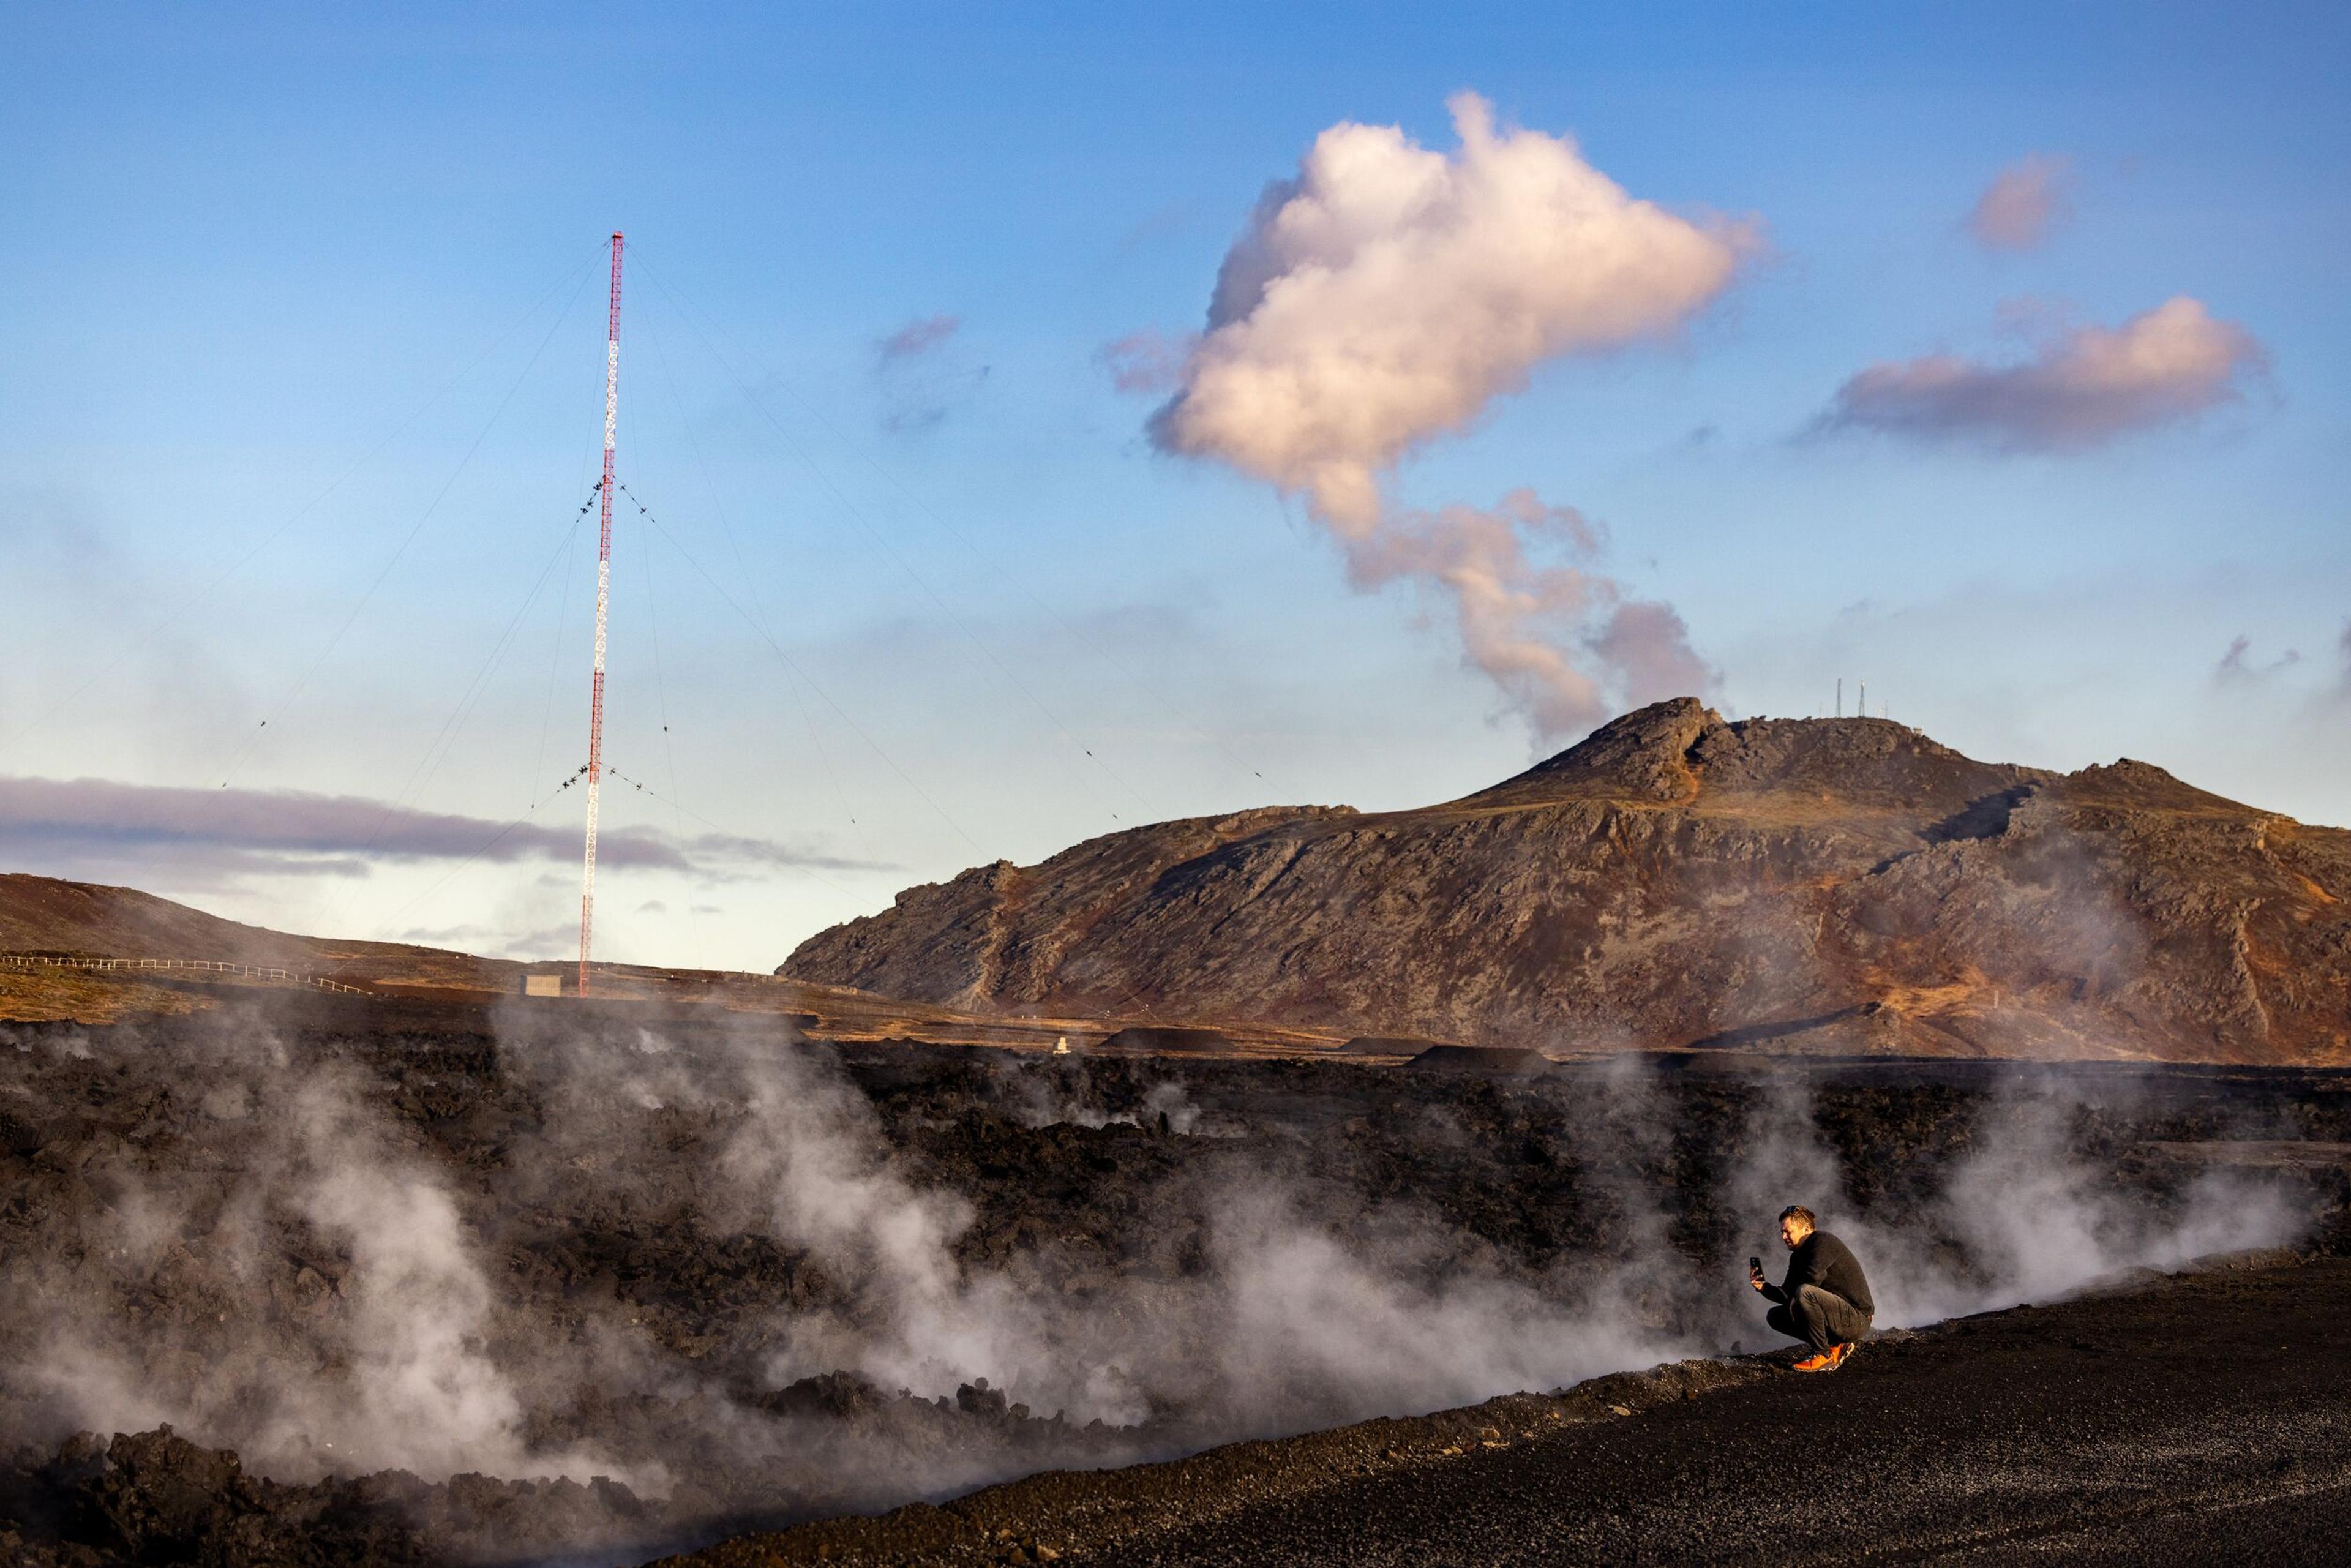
{"x": 603, "y": 598}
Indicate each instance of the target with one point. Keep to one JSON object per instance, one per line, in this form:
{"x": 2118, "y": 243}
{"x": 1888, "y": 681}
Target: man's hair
{"x": 1798, "y": 1211}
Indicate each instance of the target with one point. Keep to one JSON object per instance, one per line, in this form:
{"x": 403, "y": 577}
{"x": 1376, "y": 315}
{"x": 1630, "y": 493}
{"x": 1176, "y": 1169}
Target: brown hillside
{"x": 41, "y": 914}
{"x": 46, "y": 914}
{"x": 1676, "y": 880}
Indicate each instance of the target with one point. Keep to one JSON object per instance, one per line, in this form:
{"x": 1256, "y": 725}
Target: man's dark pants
{"x": 1822, "y": 1318}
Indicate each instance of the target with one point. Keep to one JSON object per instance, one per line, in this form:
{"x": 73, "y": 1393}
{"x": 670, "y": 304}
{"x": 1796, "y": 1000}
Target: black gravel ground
{"x": 2200, "y": 1418}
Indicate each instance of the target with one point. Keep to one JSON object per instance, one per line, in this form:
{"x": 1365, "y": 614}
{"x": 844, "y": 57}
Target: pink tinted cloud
{"x": 2085, "y": 387}
{"x": 66, "y": 821}
{"x": 918, "y": 338}
{"x": 2024, "y": 203}
{"x": 1148, "y": 361}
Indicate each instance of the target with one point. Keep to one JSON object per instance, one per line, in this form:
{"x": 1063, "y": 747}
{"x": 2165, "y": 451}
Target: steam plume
{"x": 324, "y": 1283}
{"x": 1385, "y": 296}
{"x": 1524, "y": 624}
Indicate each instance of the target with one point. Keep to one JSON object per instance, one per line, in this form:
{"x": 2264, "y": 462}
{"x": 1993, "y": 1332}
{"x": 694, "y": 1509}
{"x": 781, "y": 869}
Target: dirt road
{"x": 2206, "y": 1418}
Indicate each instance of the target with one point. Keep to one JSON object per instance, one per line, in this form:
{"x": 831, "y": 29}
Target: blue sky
{"x": 254, "y": 253}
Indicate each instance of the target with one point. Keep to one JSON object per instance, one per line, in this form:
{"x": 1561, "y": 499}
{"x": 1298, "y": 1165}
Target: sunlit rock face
{"x": 1676, "y": 879}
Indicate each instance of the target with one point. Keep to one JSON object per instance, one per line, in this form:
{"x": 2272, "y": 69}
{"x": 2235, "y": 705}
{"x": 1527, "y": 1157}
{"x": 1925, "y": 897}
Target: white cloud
{"x": 1383, "y": 297}
{"x": 1388, "y": 293}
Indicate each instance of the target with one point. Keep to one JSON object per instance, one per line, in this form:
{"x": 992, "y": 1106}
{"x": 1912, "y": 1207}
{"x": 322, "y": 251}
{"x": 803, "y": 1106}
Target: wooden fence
{"x": 187, "y": 965}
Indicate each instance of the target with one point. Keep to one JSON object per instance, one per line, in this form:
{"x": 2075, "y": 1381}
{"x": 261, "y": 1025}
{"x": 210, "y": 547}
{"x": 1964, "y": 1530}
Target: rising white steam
{"x": 1317, "y": 1328}
{"x": 807, "y": 1165}
{"x": 400, "y": 1373}
{"x": 426, "y": 1393}
{"x": 2020, "y": 1217}
{"x": 1386, "y": 295}
{"x": 348, "y": 1298}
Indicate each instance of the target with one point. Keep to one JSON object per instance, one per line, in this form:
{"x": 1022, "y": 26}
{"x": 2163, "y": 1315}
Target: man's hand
{"x": 1756, "y": 1280}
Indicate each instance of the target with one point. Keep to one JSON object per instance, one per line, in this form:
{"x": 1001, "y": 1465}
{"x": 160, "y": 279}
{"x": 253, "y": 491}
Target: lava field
{"x": 430, "y": 1283}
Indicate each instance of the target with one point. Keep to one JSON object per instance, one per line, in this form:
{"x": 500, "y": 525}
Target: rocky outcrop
{"x": 1678, "y": 880}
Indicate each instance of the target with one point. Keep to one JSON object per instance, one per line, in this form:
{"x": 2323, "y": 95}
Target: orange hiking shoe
{"x": 1839, "y": 1354}
{"x": 1825, "y": 1362}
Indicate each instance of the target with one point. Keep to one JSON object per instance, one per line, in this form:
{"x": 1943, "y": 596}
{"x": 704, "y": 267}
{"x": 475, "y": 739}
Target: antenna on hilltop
{"x": 1840, "y": 707}
{"x": 603, "y": 598}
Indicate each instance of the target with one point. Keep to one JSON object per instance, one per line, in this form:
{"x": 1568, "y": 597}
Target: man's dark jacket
{"x": 1822, "y": 1260}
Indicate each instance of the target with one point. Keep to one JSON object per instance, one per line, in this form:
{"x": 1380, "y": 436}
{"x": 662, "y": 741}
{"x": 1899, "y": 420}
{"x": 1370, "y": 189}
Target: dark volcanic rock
{"x": 154, "y": 1497}
{"x": 158, "y": 1187}
{"x": 1498, "y": 1060}
{"x": 1844, "y": 885}
{"x": 2092, "y": 1431}
{"x": 1159, "y": 1041}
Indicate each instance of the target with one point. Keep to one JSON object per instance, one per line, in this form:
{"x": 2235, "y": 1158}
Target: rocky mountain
{"x": 1674, "y": 881}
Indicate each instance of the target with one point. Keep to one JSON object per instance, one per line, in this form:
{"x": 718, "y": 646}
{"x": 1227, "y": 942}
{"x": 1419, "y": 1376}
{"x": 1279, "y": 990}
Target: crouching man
{"x": 1825, "y": 1300}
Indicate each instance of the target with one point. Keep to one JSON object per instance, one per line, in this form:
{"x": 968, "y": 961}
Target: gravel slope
{"x": 2202, "y": 1418}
